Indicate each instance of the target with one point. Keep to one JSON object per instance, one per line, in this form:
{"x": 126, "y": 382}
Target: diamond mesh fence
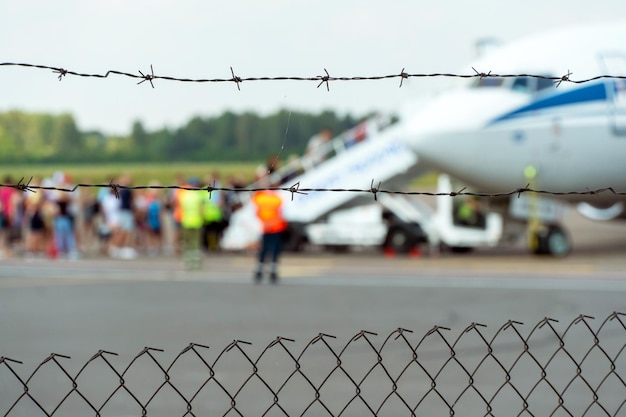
{"x": 547, "y": 370}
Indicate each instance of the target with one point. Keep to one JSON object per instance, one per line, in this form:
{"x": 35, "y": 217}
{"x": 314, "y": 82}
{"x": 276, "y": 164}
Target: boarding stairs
{"x": 363, "y": 157}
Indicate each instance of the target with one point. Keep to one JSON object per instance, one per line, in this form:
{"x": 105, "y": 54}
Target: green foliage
{"x": 141, "y": 173}
{"x": 44, "y": 138}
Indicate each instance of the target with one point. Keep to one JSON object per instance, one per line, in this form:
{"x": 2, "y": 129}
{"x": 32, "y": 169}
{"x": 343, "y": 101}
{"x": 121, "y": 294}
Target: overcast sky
{"x": 204, "y": 38}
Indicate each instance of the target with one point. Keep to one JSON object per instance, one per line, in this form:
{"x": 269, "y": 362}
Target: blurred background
{"x": 361, "y": 268}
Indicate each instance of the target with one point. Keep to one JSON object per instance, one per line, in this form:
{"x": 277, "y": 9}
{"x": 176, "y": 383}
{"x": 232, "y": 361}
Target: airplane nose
{"x": 427, "y": 132}
{"x": 442, "y": 132}
{"x": 430, "y": 149}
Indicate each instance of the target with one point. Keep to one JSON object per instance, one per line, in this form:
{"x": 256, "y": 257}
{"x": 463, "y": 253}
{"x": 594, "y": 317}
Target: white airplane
{"x": 498, "y": 134}
{"x": 495, "y": 134}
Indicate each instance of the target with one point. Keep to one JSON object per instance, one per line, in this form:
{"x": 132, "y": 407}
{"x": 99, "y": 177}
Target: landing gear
{"x": 551, "y": 240}
{"x": 399, "y": 240}
{"x": 402, "y": 238}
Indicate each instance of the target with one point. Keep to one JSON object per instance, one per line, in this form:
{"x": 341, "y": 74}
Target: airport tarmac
{"x": 78, "y": 308}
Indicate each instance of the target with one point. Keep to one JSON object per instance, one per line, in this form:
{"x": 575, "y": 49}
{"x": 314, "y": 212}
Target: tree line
{"x": 46, "y": 138}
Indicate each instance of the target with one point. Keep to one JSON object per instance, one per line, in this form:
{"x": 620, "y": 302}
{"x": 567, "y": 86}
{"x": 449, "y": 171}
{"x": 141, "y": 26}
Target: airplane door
{"x": 616, "y": 92}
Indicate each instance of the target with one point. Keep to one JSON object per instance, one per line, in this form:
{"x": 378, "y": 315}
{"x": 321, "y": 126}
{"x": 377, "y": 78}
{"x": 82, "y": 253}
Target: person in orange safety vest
{"x": 269, "y": 211}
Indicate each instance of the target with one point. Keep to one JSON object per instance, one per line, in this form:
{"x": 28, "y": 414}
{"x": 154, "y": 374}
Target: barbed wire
{"x": 325, "y": 79}
{"x": 297, "y": 188}
{"x": 577, "y": 371}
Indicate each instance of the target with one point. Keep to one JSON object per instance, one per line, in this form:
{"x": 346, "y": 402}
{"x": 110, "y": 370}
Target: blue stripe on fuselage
{"x": 594, "y": 92}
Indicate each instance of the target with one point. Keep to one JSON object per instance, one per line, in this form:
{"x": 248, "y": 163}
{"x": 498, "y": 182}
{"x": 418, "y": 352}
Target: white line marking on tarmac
{"x": 561, "y": 284}
{"x": 603, "y": 282}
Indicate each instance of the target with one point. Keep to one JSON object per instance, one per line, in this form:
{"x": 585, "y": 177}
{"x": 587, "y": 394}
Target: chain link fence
{"x": 547, "y": 370}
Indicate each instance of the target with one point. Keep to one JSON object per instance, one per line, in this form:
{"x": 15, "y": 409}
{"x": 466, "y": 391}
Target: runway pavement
{"x": 78, "y": 308}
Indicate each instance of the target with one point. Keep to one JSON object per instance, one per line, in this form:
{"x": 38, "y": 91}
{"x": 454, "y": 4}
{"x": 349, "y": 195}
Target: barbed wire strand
{"x": 321, "y": 79}
{"x": 296, "y": 188}
{"x": 326, "y": 79}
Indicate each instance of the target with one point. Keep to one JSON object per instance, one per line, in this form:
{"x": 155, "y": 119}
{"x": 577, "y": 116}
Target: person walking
{"x": 269, "y": 211}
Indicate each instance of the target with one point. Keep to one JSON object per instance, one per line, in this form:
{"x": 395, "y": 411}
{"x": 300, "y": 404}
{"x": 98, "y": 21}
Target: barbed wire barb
{"x": 62, "y": 73}
{"x": 115, "y": 188}
{"x": 403, "y": 76}
{"x": 456, "y": 193}
{"x": 147, "y": 77}
{"x": 235, "y": 79}
{"x": 564, "y": 78}
{"x": 481, "y": 74}
{"x": 295, "y": 189}
{"x": 375, "y": 190}
{"x": 210, "y": 189}
{"x": 324, "y": 80}
{"x": 24, "y": 186}
{"x": 519, "y": 191}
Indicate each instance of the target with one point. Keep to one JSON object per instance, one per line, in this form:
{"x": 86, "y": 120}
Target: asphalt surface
{"x": 78, "y": 308}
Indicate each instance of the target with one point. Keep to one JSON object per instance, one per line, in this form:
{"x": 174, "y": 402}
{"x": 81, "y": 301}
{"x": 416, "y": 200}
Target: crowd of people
{"x": 45, "y": 220}
{"x": 52, "y": 218}
{"x": 119, "y": 222}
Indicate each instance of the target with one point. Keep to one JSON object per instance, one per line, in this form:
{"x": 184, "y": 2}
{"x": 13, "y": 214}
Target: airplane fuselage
{"x": 526, "y": 123}
{"x": 493, "y": 139}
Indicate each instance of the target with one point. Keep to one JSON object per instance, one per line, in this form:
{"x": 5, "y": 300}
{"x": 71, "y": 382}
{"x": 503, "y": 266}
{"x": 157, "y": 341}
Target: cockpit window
{"x": 525, "y": 84}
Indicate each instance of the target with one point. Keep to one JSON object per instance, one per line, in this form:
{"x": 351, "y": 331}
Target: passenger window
{"x": 544, "y": 83}
{"x": 488, "y": 82}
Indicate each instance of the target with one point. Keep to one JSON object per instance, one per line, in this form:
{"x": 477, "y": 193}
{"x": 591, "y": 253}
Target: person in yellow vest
{"x": 269, "y": 211}
{"x": 469, "y": 213}
{"x": 191, "y": 220}
{"x": 212, "y": 222}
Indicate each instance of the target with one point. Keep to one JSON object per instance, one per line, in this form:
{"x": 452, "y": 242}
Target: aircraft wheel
{"x": 461, "y": 249}
{"x": 399, "y": 240}
{"x": 552, "y": 240}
